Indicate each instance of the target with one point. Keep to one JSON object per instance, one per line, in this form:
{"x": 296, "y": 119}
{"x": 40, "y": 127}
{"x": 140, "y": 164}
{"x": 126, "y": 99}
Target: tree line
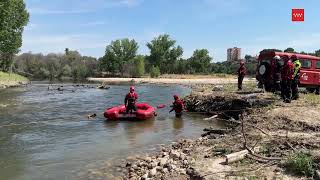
{"x": 70, "y": 65}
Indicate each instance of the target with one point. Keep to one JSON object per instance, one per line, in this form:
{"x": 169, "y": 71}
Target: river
{"x": 45, "y": 134}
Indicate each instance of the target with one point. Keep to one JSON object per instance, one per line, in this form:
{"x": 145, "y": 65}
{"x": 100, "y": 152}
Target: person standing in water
{"x": 177, "y": 106}
{"x": 130, "y": 100}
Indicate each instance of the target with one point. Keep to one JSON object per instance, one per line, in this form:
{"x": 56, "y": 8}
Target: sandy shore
{"x": 170, "y": 81}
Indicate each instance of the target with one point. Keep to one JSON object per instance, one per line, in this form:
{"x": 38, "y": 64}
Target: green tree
{"x": 155, "y": 71}
{"x": 117, "y": 54}
{"x": 289, "y": 50}
{"x": 67, "y": 70}
{"x": 139, "y": 66}
{"x": 200, "y": 61}
{"x": 317, "y": 53}
{"x": 270, "y": 50}
{"x": 13, "y": 18}
{"x": 247, "y": 57}
{"x": 164, "y": 53}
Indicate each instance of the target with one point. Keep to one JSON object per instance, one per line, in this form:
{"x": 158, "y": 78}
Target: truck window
{"x": 318, "y": 65}
{"x": 305, "y": 63}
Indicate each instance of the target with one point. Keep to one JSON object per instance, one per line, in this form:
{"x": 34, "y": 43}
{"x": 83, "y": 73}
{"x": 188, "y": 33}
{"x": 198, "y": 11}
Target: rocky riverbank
{"x": 264, "y": 138}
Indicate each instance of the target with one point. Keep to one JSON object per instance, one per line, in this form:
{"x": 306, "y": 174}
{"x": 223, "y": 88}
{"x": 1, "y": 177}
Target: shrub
{"x": 155, "y": 72}
{"x": 300, "y": 163}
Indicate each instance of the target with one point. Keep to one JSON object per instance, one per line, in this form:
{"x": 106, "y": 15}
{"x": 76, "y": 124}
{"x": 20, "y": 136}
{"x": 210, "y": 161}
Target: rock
{"x": 172, "y": 167}
{"x": 135, "y": 167}
{"x": 174, "y": 154}
{"x": 185, "y": 162}
{"x": 164, "y": 154}
{"x": 182, "y": 171}
{"x": 163, "y": 161}
{"x": 182, "y": 156}
{"x": 128, "y": 164}
{"x": 165, "y": 170}
{"x": 159, "y": 168}
{"x": 148, "y": 159}
{"x": 154, "y": 164}
{"x": 186, "y": 150}
{"x": 153, "y": 172}
{"x": 144, "y": 177}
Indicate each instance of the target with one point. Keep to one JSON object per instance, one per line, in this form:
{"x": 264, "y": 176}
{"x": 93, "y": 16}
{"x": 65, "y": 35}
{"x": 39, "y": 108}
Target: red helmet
{"x": 131, "y": 88}
{"x": 176, "y": 97}
{"x": 294, "y": 57}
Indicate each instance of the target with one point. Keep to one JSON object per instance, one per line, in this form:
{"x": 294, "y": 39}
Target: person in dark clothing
{"x": 295, "y": 77}
{"x": 241, "y": 73}
{"x": 130, "y": 100}
{"x": 286, "y": 76}
{"x": 177, "y": 106}
{"x": 277, "y": 74}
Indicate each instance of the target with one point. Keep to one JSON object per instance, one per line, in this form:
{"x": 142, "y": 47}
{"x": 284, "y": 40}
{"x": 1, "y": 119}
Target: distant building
{"x": 234, "y": 54}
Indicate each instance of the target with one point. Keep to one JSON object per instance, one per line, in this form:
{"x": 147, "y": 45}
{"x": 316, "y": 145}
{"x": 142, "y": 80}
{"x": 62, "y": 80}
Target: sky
{"x": 88, "y": 26}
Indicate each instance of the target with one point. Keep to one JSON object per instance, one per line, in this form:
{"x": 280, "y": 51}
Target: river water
{"x": 44, "y": 134}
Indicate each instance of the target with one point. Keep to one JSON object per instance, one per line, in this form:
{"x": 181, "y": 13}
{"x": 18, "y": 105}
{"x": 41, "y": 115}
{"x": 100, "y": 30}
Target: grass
{"x": 300, "y": 163}
{"x": 311, "y": 98}
{"x": 11, "y": 79}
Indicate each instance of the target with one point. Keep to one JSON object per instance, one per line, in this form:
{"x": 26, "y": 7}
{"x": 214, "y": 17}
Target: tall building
{"x": 234, "y": 54}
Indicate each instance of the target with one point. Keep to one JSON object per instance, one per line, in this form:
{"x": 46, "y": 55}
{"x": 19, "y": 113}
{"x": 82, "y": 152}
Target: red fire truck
{"x": 309, "y": 73}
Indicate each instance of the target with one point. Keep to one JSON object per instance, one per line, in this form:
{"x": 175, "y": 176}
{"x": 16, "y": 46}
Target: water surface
{"x": 46, "y": 135}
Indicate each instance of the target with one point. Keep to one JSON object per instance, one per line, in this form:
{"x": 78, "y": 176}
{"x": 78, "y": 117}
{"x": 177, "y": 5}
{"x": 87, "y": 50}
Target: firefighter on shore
{"x": 242, "y": 71}
{"x": 130, "y": 100}
{"x": 296, "y": 76}
{"x": 277, "y": 74}
{"x": 177, "y": 106}
{"x": 286, "y": 77}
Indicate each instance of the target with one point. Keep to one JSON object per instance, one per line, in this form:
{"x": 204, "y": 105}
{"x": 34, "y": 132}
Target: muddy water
{"x": 45, "y": 134}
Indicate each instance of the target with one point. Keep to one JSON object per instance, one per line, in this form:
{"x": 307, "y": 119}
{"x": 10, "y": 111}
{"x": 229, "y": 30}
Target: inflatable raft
{"x": 144, "y": 111}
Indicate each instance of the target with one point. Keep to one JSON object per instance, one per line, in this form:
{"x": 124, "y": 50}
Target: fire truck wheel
{"x": 264, "y": 69}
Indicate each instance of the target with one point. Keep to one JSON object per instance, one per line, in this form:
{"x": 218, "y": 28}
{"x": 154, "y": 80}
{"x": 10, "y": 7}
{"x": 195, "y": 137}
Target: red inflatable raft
{"x": 144, "y": 111}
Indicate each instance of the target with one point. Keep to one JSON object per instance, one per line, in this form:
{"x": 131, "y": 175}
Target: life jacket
{"x": 131, "y": 98}
{"x": 297, "y": 66}
{"x": 287, "y": 71}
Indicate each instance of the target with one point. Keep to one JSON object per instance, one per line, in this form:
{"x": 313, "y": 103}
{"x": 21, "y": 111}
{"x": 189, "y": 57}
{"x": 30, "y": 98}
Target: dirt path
{"x": 170, "y": 81}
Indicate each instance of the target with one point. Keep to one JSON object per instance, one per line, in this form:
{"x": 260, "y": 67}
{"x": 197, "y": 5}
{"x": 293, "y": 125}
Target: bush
{"x": 155, "y": 72}
{"x": 139, "y": 66}
{"x": 300, "y": 163}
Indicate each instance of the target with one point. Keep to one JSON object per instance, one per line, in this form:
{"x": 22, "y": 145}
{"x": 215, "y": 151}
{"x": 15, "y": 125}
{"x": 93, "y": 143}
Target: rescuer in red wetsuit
{"x": 177, "y": 106}
{"x": 242, "y": 71}
{"x": 286, "y": 76}
{"x": 130, "y": 100}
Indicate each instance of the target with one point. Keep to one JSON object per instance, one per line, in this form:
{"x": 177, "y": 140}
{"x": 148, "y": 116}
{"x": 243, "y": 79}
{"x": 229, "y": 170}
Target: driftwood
{"x": 217, "y": 131}
{"x": 210, "y": 118}
{"x": 237, "y": 156}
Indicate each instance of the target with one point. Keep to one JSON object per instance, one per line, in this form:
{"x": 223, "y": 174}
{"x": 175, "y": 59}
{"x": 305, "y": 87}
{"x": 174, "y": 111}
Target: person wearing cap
{"x": 295, "y": 77}
{"x": 286, "y": 77}
{"x": 277, "y": 74}
{"x": 130, "y": 100}
{"x": 177, "y": 106}
{"x": 241, "y": 73}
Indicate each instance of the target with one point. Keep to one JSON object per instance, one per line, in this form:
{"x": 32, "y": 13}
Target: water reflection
{"x": 177, "y": 122}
